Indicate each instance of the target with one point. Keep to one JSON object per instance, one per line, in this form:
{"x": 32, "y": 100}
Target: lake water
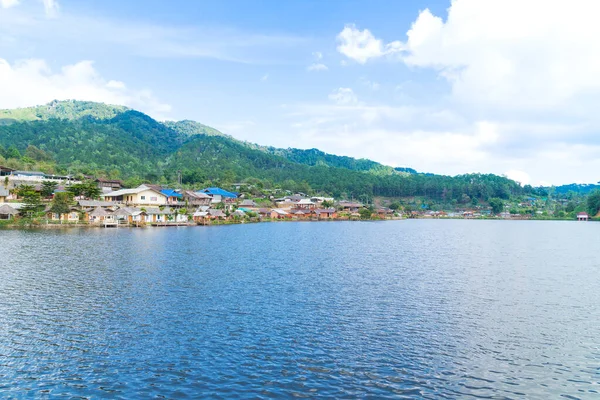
{"x": 415, "y": 309}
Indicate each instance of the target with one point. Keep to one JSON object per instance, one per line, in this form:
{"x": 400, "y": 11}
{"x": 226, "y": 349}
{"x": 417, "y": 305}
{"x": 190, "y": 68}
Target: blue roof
{"x": 219, "y": 192}
{"x": 170, "y": 193}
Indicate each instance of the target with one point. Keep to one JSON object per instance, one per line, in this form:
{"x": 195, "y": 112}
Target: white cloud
{"x": 518, "y": 176}
{"x": 32, "y": 82}
{"x": 513, "y": 54}
{"x": 361, "y": 46}
{"x": 317, "y": 67}
{"x": 264, "y": 78}
{"x": 370, "y": 84}
{"x": 8, "y": 3}
{"x": 343, "y": 96}
{"x": 51, "y": 7}
{"x": 317, "y": 55}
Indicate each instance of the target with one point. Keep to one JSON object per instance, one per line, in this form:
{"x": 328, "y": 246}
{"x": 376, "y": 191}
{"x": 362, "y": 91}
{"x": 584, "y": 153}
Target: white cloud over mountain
{"x": 529, "y": 68}
{"x": 32, "y": 82}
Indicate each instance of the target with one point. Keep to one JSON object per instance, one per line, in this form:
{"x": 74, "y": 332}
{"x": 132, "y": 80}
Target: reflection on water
{"x": 431, "y": 309}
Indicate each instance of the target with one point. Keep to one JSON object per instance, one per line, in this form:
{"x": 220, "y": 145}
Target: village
{"x": 109, "y": 204}
{"x": 153, "y": 205}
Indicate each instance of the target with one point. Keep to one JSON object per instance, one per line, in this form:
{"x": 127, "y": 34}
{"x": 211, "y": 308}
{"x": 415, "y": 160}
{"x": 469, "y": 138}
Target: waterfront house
{"x": 216, "y": 214}
{"x": 583, "y": 216}
{"x": 264, "y": 212}
{"x": 278, "y": 213}
{"x": 72, "y": 216}
{"x": 99, "y": 215}
{"x": 326, "y": 213}
{"x": 7, "y": 212}
{"x": 140, "y": 196}
{"x": 201, "y": 214}
{"x": 219, "y": 195}
{"x": 4, "y": 193}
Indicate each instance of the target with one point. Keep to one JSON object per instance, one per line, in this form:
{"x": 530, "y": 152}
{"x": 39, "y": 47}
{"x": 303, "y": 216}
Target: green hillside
{"x": 96, "y": 139}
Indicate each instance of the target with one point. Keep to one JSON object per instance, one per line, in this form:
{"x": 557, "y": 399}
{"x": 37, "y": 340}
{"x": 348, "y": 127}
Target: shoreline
{"x": 228, "y": 223}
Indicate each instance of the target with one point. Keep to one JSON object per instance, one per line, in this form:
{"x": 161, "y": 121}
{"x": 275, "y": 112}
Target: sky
{"x": 509, "y": 87}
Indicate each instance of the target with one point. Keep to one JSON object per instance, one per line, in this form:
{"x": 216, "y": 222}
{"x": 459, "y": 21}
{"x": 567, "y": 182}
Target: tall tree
{"x": 32, "y": 204}
{"x": 61, "y": 204}
{"x": 48, "y": 188}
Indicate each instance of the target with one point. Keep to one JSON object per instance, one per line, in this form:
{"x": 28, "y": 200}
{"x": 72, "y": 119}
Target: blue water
{"x": 399, "y": 309}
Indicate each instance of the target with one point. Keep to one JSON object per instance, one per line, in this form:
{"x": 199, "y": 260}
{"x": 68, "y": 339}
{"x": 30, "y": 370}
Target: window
{"x": 143, "y": 197}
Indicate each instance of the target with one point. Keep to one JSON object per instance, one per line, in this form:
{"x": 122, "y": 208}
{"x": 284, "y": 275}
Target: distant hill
{"x": 579, "y": 188}
{"x": 103, "y": 140}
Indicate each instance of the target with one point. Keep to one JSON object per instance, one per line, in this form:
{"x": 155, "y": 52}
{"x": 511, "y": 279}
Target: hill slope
{"x": 96, "y": 139}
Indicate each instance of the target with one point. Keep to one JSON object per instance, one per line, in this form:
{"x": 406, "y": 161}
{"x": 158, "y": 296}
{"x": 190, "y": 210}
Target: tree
{"x": 593, "y": 203}
{"x": 91, "y": 190}
{"x": 395, "y": 206}
{"x": 497, "y": 205}
{"x": 13, "y": 152}
{"x": 48, "y": 188}
{"x": 61, "y": 204}
{"x": 365, "y": 213}
{"x": 32, "y": 204}
{"x": 327, "y": 204}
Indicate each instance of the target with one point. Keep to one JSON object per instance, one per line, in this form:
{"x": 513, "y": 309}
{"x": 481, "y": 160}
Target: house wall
{"x": 147, "y": 197}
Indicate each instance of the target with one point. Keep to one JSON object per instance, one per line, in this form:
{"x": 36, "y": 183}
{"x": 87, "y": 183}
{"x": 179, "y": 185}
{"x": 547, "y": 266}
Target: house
{"x": 201, "y": 214}
{"x": 216, "y": 214}
{"x": 113, "y": 184}
{"x": 305, "y": 204}
{"x": 172, "y": 196}
{"x": 195, "y": 199}
{"x": 384, "y": 212}
{"x": 156, "y": 215}
{"x": 350, "y": 206}
{"x": 264, "y": 212}
{"x": 100, "y": 215}
{"x": 4, "y": 193}
{"x": 219, "y": 195}
{"x": 583, "y": 216}
{"x": 248, "y": 204}
{"x": 5, "y": 171}
{"x": 326, "y": 213}
{"x": 72, "y": 216}
{"x": 300, "y": 214}
{"x": 278, "y": 213}
{"x": 140, "y": 196}
{"x": 7, "y": 212}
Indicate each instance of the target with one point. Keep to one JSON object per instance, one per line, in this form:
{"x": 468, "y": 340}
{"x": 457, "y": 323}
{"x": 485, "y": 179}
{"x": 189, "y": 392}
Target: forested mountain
{"x": 96, "y": 139}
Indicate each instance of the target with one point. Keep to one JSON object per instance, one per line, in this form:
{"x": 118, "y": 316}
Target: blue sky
{"x": 506, "y": 87}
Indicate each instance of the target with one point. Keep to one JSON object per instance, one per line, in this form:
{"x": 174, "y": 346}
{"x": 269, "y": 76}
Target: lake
{"x": 398, "y": 309}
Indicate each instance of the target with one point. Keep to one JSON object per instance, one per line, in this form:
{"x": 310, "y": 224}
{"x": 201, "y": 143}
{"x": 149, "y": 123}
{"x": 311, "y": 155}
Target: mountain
{"x": 102, "y": 140}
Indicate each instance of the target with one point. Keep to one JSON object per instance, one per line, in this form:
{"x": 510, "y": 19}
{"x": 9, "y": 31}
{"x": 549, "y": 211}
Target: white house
{"x": 140, "y": 196}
